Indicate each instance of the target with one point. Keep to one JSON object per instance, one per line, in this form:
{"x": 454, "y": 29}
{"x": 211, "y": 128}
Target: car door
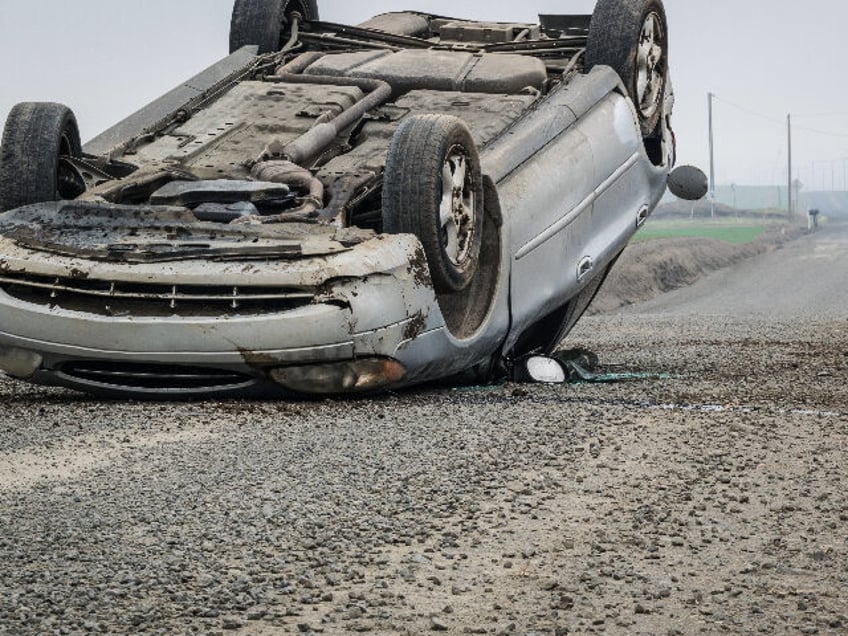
{"x": 572, "y": 208}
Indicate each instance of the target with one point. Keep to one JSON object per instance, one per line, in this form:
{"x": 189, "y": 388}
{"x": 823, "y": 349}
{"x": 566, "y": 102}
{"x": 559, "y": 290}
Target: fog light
{"x": 354, "y": 376}
{"x": 19, "y": 363}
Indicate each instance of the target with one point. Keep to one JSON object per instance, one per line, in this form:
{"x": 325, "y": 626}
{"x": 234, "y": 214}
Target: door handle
{"x": 584, "y": 267}
{"x": 643, "y": 215}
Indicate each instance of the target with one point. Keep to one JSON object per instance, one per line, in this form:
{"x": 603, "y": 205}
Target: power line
{"x": 781, "y": 122}
{"x": 821, "y": 132}
{"x": 744, "y": 109}
{"x": 842, "y": 114}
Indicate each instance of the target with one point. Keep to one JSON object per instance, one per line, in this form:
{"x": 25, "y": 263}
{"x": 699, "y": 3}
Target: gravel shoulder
{"x": 711, "y": 501}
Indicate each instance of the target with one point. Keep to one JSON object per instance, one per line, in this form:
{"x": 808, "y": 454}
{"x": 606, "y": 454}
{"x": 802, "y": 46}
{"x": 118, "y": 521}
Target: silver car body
{"x": 176, "y": 307}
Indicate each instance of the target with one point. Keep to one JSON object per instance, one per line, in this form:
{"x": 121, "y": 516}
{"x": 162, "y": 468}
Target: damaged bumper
{"x": 203, "y": 327}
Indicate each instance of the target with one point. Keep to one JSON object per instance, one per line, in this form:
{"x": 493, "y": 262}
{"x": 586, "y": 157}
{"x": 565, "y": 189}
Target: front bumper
{"x": 369, "y": 316}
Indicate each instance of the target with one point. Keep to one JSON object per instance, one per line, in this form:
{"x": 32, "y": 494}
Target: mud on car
{"x": 334, "y": 209}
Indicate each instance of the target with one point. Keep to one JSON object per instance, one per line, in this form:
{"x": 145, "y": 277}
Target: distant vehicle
{"x": 335, "y": 209}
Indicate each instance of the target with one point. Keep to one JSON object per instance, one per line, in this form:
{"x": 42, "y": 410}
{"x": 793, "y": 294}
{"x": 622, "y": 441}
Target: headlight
{"x": 19, "y": 363}
{"x": 354, "y": 376}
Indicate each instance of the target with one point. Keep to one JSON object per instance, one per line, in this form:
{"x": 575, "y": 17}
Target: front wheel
{"x": 433, "y": 188}
{"x": 38, "y": 140}
{"x": 631, "y": 36}
{"x": 265, "y": 23}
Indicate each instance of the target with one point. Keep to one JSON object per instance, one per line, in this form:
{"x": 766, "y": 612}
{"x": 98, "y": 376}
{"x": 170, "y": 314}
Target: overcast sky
{"x": 762, "y": 58}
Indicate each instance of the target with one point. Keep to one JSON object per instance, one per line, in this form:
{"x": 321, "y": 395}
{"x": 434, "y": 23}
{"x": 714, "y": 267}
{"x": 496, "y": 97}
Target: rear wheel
{"x": 433, "y": 188}
{"x": 265, "y": 23}
{"x": 631, "y": 36}
{"x": 38, "y": 140}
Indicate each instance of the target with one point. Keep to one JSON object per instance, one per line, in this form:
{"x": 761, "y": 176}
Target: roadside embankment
{"x": 653, "y": 267}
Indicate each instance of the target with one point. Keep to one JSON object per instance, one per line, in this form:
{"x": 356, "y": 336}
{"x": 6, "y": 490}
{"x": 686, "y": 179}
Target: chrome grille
{"x": 115, "y": 298}
{"x": 154, "y": 377}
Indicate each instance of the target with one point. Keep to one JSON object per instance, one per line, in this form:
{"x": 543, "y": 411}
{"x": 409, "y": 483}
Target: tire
{"x": 264, "y": 22}
{"x": 425, "y": 153}
{"x": 36, "y": 137}
{"x": 631, "y": 36}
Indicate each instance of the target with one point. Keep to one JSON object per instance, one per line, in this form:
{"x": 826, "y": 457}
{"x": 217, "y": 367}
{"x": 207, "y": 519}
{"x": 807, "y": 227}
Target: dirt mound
{"x": 650, "y": 268}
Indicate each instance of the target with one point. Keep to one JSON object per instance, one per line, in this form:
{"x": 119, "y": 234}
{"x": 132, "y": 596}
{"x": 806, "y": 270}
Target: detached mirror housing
{"x": 688, "y": 183}
{"x": 541, "y": 369}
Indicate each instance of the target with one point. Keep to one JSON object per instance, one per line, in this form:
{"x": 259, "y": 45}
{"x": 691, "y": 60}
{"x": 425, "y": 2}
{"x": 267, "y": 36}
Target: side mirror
{"x": 688, "y": 183}
{"x": 540, "y": 369}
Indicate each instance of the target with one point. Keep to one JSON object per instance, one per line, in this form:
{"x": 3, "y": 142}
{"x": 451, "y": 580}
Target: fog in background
{"x": 763, "y": 59}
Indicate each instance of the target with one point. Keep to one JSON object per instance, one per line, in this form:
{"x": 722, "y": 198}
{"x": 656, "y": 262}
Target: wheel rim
{"x": 649, "y": 64}
{"x": 457, "y": 211}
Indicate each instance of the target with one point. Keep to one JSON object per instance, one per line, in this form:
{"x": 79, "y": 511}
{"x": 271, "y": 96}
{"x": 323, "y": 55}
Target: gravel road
{"x": 710, "y": 500}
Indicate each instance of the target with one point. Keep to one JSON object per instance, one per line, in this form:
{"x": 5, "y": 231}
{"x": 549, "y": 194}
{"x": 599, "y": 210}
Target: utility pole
{"x": 710, "y": 97}
{"x": 844, "y": 174}
{"x": 789, "y": 139}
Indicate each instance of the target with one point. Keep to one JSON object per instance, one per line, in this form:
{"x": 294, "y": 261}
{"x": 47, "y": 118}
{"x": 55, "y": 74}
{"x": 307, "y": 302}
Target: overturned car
{"x": 335, "y": 209}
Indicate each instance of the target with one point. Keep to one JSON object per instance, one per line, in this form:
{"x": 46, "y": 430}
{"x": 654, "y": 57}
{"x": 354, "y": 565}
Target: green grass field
{"x": 729, "y": 230}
